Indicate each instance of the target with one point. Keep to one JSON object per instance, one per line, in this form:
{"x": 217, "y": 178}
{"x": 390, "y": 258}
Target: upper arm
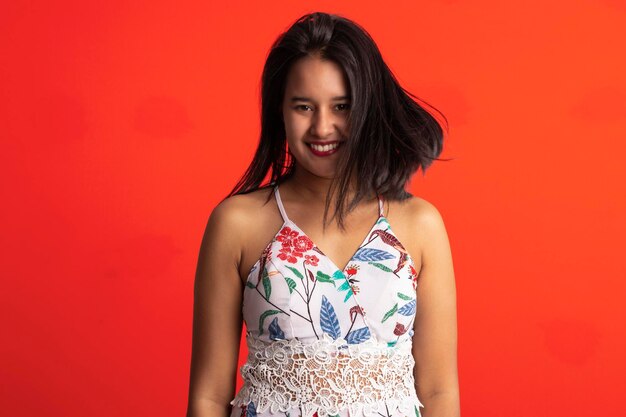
{"x": 217, "y": 317}
{"x": 435, "y": 327}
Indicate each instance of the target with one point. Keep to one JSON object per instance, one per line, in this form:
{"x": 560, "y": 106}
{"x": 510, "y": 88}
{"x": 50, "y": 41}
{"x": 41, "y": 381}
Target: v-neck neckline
{"x": 288, "y": 220}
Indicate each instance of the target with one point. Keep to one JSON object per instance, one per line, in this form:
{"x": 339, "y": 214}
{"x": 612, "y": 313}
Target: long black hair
{"x": 390, "y": 135}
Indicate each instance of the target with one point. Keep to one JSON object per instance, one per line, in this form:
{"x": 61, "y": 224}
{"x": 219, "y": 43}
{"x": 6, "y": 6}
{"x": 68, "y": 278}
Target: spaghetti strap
{"x": 280, "y": 204}
{"x": 380, "y": 205}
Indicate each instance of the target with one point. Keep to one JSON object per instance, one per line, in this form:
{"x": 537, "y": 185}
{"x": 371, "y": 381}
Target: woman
{"x": 345, "y": 316}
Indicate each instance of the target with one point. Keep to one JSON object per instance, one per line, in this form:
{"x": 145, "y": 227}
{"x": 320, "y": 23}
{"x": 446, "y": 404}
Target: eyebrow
{"x": 298, "y": 98}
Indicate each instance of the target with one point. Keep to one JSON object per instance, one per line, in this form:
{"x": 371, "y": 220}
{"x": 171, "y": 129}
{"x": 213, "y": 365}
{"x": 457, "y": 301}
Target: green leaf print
{"x": 250, "y": 285}
{"x": 404, "y": 297}
{"x": 263, "y": 316}
{"x": 390, "y": 312}
{"x": 295, "y": 271}
{"x": 417, "y": 411}
{"x": 381, "y": 266}
{"x": 322, "y": 277}
{"x": 344, "y": 286}
{"x": 338, "y": 275}
{"x": 267, "y": 285}
{"x": 291, "y": 284}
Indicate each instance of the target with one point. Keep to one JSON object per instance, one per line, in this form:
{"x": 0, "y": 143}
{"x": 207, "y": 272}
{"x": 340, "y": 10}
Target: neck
{"x": 311, "y": 187}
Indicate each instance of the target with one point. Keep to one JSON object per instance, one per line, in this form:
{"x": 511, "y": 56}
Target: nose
{"x": 323, "y": 123}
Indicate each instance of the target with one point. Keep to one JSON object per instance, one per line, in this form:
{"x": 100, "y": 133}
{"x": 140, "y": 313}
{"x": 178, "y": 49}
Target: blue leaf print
{"x": 371, "y": 254}
{"x": 358, "y": 335}
{"x": 276, "y": 332}
{"x": 328, "y": 319}
{"x": 251, "y": 411}
{"x": 263, "y": 316}
{"x": 407, "y": 309}
{"x": 338, "y": 275}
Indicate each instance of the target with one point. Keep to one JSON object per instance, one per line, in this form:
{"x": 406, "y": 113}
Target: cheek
{"x": 295, "y": 127}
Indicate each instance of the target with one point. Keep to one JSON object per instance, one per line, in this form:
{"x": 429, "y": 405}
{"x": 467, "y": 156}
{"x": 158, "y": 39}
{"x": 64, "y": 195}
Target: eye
{"x": 301, "y": 106}
{"x": 346, "y": 106}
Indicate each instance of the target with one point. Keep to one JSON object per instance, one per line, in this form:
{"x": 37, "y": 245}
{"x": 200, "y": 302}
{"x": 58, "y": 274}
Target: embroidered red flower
{"x": 302, "y": 244}
{"x": 293, "y": 245}
{"x": 400, "y": 329}
{"x": 311, "y": 260}
{"x": 352, "y": 270}
{"x": 414, "y": 276}
{"x": 287, "y": 255}
{"x": 286, "y": 235}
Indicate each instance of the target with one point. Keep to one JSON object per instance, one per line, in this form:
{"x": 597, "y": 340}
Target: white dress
{"x": 329, "y": 342}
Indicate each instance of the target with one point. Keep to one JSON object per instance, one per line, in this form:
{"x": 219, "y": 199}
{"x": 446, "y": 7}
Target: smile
{"x": 324, "y": 150}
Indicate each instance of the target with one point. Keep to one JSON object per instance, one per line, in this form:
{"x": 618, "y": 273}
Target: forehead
{"x": 315, "y": 78}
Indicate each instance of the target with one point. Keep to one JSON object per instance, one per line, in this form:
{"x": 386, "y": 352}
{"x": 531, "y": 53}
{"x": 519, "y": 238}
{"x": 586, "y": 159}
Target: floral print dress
{"x": 323, "y": 341}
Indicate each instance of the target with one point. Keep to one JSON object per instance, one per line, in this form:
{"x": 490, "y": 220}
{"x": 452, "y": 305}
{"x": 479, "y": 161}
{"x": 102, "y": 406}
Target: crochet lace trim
{"x": 327, "y": 377}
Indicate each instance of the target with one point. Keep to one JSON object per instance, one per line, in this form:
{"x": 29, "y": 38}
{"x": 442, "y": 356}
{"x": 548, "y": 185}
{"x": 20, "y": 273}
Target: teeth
{"x": 324, "y": 148}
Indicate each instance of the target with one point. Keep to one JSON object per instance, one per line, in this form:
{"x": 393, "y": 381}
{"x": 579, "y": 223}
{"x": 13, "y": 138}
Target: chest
{"x": 338, "y": 245}
{"x": 296, "y": 291}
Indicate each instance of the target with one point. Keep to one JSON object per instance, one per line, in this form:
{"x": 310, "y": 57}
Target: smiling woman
{"x": 346, "y": 318}
{"x": 315, "y": 112}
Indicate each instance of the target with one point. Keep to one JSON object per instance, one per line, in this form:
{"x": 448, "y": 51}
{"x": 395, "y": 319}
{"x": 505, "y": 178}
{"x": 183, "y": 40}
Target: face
{"x": 315, "y": 112}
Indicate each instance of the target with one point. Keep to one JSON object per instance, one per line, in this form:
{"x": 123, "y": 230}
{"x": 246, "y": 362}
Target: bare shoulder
{"x": 425, "y": 215}
{"x": 423, "y": 226}
{"x": 246, "y": 222}
{"x": 238, "y": 208}
{"x": 237, "y": 213}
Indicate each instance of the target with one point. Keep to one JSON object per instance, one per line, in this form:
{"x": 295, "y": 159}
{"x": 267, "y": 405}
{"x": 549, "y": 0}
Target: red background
{"x": 124, "y": 123}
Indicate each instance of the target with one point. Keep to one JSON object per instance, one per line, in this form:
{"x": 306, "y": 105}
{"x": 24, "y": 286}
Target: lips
{"x": 320, "y": 143}
{"x": 336, "y": 144}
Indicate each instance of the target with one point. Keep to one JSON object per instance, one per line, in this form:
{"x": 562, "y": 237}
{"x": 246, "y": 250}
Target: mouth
{"x": 325, "y": 147}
